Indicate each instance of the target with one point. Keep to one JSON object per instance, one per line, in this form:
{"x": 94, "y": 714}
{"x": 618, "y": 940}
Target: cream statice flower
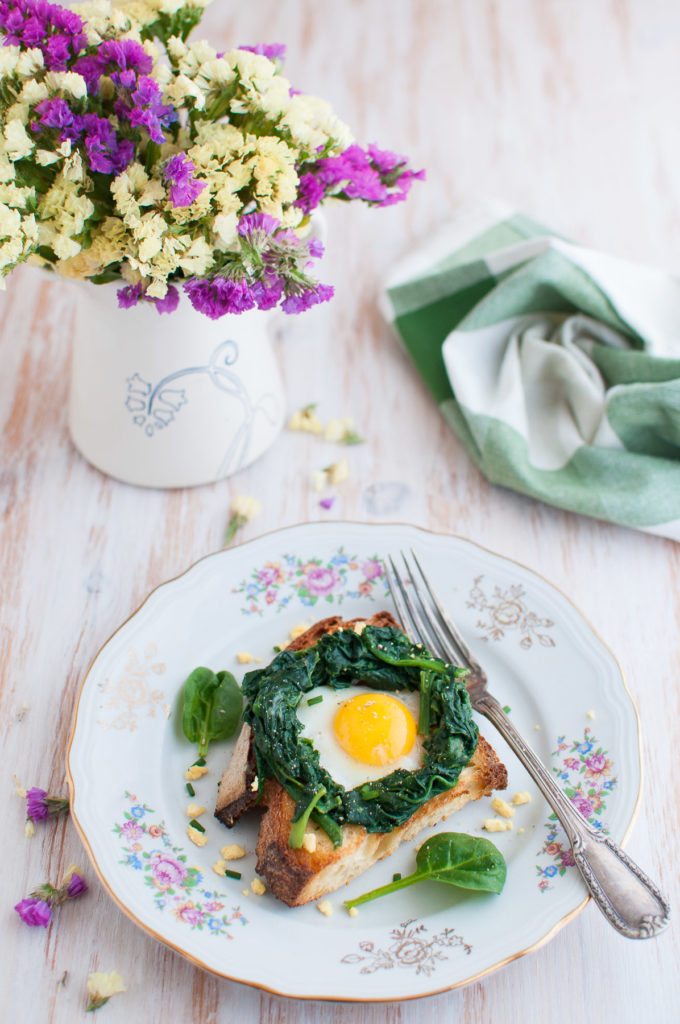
{"x": 102, "y": 986}
{"x": 243, "y": 509}
{"x": 129, "y": 153}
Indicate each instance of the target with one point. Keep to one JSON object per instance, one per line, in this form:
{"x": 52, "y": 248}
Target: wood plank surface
{"x": 565, "y": 108}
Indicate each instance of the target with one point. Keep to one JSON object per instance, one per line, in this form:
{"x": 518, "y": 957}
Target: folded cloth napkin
{"x": 557, "y": 366}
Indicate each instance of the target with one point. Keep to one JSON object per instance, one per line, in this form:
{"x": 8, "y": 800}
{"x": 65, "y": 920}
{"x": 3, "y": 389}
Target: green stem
{"x": 297, "y": 829}
{"x": 384, "y": 890}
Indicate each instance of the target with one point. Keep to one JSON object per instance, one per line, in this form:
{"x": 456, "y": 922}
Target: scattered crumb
{"x": 501, "y": 807}
{"x": 258, "y": 887}
{"x": 233, "y": 852}
{"x": 309, "y": 842}
{"x": 319, "y": 479}
{"x": 590, "y": 714}
{"x": 196, "y": 837}
{"x": 306, "y": 420}
{"x": 219, "y": 867}
{"x": 245, "y": 892}
{"x": 195, "y": 772}
{"x": 359, "y": 627}
{"x": 168, "y": 710}
{"x": 195, "y": 811}
{"x": 497, "y": 825}
{"x": 519, "y": 831}
{"x": 297, "y": 631}
{"x": 244, "y": 658}
{"x": 537, "y": 727}
{"x": 522, "y": 798}
{"x": 338, "y": 472}
{"x": 254, "y": 785}
{"x": 325, "y": 907}
{"x": 352, "y": 911}
{"x": 258, "y": 661}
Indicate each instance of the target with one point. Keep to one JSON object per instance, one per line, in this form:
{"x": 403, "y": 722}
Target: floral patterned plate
{"x": 563, "y": 686}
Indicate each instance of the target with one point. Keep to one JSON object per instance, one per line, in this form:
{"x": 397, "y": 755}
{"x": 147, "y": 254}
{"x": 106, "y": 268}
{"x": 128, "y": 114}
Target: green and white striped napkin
{"x": 557, "y": 366}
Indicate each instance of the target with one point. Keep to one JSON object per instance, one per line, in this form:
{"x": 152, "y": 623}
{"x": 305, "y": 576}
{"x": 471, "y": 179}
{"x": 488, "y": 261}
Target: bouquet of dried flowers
{"x": 129, "y": 154}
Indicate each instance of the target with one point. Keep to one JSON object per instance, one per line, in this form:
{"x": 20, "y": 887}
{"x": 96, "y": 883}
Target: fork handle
{"x": 630, "y": 901}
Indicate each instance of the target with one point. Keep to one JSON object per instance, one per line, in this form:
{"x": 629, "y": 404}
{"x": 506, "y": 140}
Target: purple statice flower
{"x": 218, "y": 296}
{"x": 124, "y": 54}
{"x": 129, "y": 295}
{"x": 354, "y": 171}
{"x": 395, "y": 172}
{"x": 268, "y": 293}
{"x": 37, "y": 808}
{"x": 315, "y": 248}
{"x": 170, "y": 302}
{"x": 90, "y": 69}
{"x": 327, "y": 503}
{"x": 34, "y": 912}
{"x": 57, "y": 32}
{"x": 385, "y": 161}
{"x": 274, "y": 51}
{"x": 56, "y": 113}
{"x": 76, "y": 886}
{"x": 310, "y": 192}
{"x": 184, "y": 187}
{"x": 302, "y": 301}
{"x": 149, "y": 111}
{"x": 252, "y": 223}
{"x": 106, "y": 152}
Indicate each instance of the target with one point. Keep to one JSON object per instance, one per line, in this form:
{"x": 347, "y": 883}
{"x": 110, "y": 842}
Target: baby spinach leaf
{"x": 452, "y": 857}
{"x": 211, "y": 707}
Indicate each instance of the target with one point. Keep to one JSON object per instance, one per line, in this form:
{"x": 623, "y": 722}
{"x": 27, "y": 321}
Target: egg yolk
{"x": 374, "y": 728}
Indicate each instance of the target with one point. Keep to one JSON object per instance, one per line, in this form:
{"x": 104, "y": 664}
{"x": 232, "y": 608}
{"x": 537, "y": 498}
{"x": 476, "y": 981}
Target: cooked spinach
{"x": 382, "y": 658}
{"x": 211, "y": 707}
{"x": 454, "y": 858}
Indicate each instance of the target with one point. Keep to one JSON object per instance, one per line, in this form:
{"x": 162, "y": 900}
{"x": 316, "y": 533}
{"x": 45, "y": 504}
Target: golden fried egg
{"x": 362, "y": 734}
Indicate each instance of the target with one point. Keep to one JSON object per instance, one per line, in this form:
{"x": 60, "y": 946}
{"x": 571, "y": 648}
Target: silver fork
{"x": 630, "y": 901}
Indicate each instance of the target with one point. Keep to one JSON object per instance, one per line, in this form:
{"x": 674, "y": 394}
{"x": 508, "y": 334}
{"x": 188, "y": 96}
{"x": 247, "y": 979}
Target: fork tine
{"x": 423, "y": 622}
{"x": 451, "y": 631}
{"x": 437, "y": 637}
{"x": 399, "y": 597}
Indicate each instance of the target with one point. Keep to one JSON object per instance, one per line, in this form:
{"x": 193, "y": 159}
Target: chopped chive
{"x": 233, "y": 874}
{"x": 396, "y": 877}
{"x": 190, "y": 789}
{"x": 507, "y": 709}
{"x": 199, "y": 763}
{"x": 314, "y": 700}
{"x": 196, "y": 824}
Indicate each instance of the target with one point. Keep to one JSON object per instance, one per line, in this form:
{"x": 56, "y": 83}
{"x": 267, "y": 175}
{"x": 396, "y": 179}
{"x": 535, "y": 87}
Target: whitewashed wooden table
{"x": 567, "y": 109}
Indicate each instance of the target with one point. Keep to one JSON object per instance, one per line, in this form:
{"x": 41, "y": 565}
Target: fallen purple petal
{"x": 36, "y": 913}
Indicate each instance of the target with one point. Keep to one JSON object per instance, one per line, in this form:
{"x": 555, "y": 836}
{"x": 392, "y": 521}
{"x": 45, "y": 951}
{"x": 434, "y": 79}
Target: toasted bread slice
{"x": 297, "y": 876}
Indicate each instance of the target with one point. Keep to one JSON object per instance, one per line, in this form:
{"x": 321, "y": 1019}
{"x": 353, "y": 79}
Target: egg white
{"x": 317, "y": 726}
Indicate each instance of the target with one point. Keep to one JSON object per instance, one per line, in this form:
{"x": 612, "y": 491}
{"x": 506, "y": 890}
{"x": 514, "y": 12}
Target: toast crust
{"x": 297, "y": 876}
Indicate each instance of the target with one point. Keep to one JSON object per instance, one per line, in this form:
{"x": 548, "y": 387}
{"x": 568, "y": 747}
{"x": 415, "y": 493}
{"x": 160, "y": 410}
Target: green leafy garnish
{"x": 452, "y": 857}
{"x": 211, "y": 707}
{"x": 381, "y": 658}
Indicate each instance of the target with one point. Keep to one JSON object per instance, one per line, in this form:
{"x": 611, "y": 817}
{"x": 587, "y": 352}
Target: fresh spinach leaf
{"x": 452, "y": 857}
{"x": 211, "y": 707}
